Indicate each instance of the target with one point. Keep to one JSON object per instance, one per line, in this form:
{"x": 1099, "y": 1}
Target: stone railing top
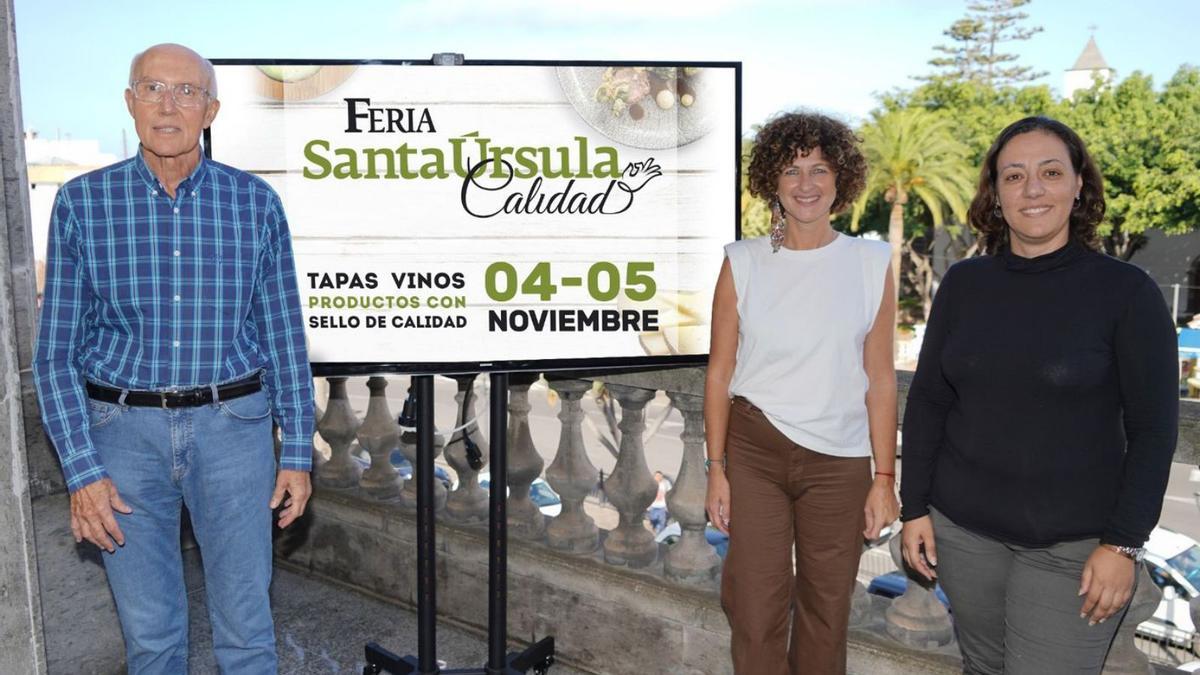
{"x": 677, "y": 380}
{"x": 691, "y": 381}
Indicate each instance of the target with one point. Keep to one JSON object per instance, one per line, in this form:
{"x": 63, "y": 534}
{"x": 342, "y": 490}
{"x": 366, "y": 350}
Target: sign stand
{"x": 538, "y": 657}
{"x": 609, "y": 264}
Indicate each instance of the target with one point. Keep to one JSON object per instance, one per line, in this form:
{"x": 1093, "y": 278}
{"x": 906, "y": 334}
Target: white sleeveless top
{"x": 802, "y": 319}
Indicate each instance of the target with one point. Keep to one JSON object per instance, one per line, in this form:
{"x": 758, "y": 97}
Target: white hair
{"x": 207, "y": 65}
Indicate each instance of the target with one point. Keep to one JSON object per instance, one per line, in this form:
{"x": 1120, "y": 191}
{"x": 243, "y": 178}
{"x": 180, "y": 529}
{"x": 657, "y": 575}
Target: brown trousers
{"x": 782, "y": 494}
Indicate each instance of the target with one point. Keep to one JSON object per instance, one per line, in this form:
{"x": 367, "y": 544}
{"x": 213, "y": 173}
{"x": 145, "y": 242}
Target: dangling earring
{"x": 1076, "y": 204}
{"x": 777, "y": 226}
{"x": 996, "y": 212}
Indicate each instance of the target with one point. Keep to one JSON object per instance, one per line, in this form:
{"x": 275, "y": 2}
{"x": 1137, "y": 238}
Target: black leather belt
{"x": 176, "y": 399}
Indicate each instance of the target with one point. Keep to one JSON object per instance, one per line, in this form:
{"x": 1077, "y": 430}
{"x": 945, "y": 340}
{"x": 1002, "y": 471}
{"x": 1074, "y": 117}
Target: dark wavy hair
{"x": 1085, "y": 217}
{"x": 776, "y": 144}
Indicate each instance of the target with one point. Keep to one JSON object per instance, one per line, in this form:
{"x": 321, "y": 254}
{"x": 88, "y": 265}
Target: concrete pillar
{"x": 21, "y": 644}
{"x": 45, "y": 475}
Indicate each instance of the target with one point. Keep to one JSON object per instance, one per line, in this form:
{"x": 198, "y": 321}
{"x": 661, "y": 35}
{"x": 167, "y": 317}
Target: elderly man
{"x": 170, "y": 336}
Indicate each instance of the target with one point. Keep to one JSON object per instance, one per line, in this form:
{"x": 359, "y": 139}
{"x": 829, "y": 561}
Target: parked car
{"x": 540, "y": 492}
{"x": 670, "y": 534}
{"x": 1173, "y": 560}
{"x": 894, "y": 583}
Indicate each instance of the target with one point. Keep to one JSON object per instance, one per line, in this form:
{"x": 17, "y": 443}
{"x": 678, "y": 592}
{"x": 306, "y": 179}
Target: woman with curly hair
{"x": 1041, "y": 420}
{"x": 802, "y": 333}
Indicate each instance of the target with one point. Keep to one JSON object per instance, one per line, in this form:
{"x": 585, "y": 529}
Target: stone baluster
{"x": 468, "y": 502}
{"x": 1124, "y": 658}
{"x": 379, "y": 435}
{"x": 338, "y": 426}
{"x": 408, "y": 447}
{"x": 572, "y": 474}
{"x": 917, "y": 618}
{"x": 631, "y": 487}
{"x": 692, "y": 558}
{"x": 321, "y": 449}
{"x": 525, "y": 519}
{"x": 860, "y": 605}
{"x": 860, "y": 601}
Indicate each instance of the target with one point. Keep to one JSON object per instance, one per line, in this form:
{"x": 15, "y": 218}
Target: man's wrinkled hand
{"x": 297, "y": 487}
{"x": 92, "y": 516}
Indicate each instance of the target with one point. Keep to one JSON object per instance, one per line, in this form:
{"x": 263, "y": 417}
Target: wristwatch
{"x": 1134, "y": 553}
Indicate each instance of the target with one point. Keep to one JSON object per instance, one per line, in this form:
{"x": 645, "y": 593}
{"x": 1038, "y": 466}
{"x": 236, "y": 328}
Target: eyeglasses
{"x": 185, "y": 95}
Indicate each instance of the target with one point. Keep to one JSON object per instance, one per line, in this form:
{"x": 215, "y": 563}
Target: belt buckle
{"x": 162, "y": 397}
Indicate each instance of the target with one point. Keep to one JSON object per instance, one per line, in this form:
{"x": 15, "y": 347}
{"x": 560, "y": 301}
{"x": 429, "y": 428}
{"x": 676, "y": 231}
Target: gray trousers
{"x": 1016, "y": 609}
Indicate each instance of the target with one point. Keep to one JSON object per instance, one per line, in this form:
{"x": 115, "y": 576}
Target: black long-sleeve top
{"x": 1045, "y": 403}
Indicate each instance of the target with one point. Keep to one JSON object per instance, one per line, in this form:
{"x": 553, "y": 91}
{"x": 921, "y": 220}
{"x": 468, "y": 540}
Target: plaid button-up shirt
{"x": 146, "y": 292}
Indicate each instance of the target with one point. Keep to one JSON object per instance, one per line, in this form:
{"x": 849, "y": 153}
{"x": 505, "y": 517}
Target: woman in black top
{"x": 1041, "y": 421}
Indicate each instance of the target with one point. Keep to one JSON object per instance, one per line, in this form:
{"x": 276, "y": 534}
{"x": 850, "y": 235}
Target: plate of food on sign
{"x": 651, "y": 106}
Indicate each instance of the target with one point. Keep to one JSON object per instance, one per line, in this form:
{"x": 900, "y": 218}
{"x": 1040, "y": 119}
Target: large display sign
{"x": 494, "y": 215}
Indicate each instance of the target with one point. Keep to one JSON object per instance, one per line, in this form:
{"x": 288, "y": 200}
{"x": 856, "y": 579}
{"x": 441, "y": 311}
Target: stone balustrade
{"x": 614, "y": 597}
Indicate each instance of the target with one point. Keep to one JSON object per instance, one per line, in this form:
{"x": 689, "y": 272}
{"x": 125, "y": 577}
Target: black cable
{"x": 474, "y": 456}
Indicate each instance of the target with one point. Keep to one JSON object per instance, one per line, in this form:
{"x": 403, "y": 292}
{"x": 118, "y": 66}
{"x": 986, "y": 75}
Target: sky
{"x": 831, "y": 55}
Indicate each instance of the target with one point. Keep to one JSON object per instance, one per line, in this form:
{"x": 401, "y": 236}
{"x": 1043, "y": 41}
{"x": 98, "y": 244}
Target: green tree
{"x": 976, "y": 40}
{"x": 911, "y": 151}
{"x": 1147, "y": 146}
{"x": 756, "y": 215}
{"x": 976, "y": 114}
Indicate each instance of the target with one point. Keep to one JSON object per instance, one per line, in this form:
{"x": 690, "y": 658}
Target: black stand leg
{"x": 540, "y": 656}
{"x": 426, "y": 551}
{"x": 380, "y": 660}
{"x": 498, "y": 528}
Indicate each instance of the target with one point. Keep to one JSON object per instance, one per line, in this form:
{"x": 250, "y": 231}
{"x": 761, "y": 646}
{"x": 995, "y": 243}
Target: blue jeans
{"x": 658, "y": 518}
{"x": 219, "y": 460}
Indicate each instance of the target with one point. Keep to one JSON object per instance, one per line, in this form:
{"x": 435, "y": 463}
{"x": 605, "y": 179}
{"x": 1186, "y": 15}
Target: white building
{"x": 1088, "y": 66}
{"x": 51, "y": 163}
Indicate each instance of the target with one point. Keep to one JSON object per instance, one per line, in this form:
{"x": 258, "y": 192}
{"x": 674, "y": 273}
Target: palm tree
{"x": 911, "y": 151}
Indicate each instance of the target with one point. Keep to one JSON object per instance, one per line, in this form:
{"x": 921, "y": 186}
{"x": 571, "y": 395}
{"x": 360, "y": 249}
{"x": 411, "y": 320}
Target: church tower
{"x": 1089, "y": 64}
